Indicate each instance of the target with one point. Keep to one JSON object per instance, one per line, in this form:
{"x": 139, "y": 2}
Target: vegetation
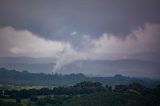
{"x": 83, "y": 94}
{"x": 30, "y": 89}
{"x": 8, "y": 77}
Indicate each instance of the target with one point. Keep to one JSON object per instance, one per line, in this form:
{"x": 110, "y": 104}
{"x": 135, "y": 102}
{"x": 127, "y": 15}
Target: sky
{"x": 72, "y": 30}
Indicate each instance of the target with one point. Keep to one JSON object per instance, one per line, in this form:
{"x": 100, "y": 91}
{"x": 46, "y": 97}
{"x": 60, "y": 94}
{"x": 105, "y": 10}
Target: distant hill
{"x": 24, "y": 77}
{"x": 32, "y": 67}
{"x": 136, "y": 68}
{"x": 27, "y": 60}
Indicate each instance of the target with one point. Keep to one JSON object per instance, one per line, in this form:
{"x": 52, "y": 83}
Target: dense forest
{"x": 83, "y": 94}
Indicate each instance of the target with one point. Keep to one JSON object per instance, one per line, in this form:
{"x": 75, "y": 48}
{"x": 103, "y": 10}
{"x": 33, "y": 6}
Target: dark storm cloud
{"x": 56, "y": 19}
{"x": 72, "y": 30}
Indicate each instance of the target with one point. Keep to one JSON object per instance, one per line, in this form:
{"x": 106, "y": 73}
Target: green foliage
{"x": 84, "y": 94}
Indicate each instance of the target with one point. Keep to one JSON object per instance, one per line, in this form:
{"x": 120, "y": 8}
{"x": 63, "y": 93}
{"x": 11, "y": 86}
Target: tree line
{"x": 86, "y": 94}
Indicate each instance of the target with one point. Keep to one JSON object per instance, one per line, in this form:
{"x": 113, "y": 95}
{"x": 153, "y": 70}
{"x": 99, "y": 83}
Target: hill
{"x": 131, "y": 67}
{"x": 41, "y": 79}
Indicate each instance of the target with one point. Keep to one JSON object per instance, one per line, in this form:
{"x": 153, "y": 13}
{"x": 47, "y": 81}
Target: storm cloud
{"x": 24, "y": 43}
{"x": 56, "y": 19}
{"x": 72, "y": 30}
{"x": 144, "y": 39}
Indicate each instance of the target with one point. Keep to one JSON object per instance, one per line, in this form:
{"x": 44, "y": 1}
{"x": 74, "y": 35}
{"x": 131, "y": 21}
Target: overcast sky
{"x": 81, "y": 29}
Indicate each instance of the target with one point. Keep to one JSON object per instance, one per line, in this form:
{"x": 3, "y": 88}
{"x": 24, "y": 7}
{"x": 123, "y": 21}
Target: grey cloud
{"x": 57, "y": 18}
{"x": 25, "y": 43}
{"x": 137, "y": 45}
{"x": 145, "y": 39}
